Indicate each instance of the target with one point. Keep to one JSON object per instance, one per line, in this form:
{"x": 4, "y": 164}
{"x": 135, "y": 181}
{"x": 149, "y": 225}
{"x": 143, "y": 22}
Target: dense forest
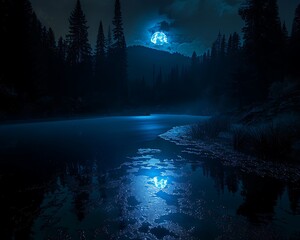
{"x": 42, "y": 76}
{"x": 163, "y": 176}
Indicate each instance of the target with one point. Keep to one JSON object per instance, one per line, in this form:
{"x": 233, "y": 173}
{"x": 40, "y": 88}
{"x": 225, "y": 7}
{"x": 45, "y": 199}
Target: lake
{"x": 115, "y": 178}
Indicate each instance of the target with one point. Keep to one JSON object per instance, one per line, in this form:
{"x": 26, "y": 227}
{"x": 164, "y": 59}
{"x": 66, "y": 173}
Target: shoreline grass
{"x": 269, "y": 141}
{"x": 210, "y": 128}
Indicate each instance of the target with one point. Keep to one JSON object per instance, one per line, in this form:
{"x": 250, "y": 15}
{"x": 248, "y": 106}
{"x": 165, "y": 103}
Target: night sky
{"x": 189, "y": 24}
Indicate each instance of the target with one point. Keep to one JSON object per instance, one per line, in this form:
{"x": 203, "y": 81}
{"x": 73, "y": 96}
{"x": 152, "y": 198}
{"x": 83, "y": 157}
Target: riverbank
{"x": 221, "y": 148}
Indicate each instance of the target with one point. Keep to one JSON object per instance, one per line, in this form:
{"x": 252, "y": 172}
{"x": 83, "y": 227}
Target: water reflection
{"x": 158, "y": 192}
{"x": 161, "y": 184}
{"x": 152, "y": 196}
{"x": 260, "y": 198}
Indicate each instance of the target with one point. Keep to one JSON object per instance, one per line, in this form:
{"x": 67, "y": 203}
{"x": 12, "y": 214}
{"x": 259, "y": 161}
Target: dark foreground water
{"x": 114, "y": 178}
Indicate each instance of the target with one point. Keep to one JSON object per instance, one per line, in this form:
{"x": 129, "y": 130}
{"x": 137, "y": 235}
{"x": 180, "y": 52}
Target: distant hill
{"x": 143, "y": 61}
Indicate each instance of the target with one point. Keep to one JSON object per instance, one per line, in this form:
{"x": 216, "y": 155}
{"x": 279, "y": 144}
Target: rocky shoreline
{"x": 220, "y": 148}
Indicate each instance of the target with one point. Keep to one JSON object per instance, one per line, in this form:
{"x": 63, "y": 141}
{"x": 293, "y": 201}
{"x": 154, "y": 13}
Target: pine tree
{"x": 79, "y": 49}
{"x": 223, "y": 47}
{"x": 285, "y": 40}
{"x": 50, "y": 49}
{"x": 108, "y": 82}
{"x": 118, "y": 31}
{"x": 229, "y": 45}
{"x": 79, "y": 55}
{"x": 34, "y": 55}
{"x": 100, "y": 59}
{"x": 100, "y": 45}
{"x": 192, "y": 81}
{"x": 216, "y": 48}
{"x": 61, "y": 50}
{"x": 236, "y": 43}
{"x": 194, "y": 65}
{"x": 24, "y": 70}
{"x": 214, "y": 51}
{"x": 296, "y": 24}
{"x": 61, "y": 67}
{"x": 194, "y": 60}
{"x": 109, "y": 42}
{"x": 27, "y": 49}
{"x": 285, "y": 33}
{"x": 204, "y": 58}
{"x": 119, "y": 56}
{"x": 295, "y": 45}
{"x": 208, "y": 55}
{"x": 262, "y": 45}
{"x": 235, "y": 80}
{"x": 51, "y": 43}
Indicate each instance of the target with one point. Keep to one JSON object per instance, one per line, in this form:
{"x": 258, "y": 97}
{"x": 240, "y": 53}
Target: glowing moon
{"x": 159, "y": 38}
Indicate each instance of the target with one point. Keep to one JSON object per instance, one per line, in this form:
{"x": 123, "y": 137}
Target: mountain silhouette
{"x": 145, "y": 63}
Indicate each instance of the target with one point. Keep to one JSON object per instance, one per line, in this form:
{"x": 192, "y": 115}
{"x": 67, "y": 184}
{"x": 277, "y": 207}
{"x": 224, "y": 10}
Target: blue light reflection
{"x": 161, "y": 184}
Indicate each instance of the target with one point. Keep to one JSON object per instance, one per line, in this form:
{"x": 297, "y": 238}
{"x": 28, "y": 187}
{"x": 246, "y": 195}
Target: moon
{"x": 159, "y": 38}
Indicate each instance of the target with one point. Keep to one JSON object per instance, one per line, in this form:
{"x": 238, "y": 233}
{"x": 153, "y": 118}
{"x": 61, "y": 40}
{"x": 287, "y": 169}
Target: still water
{"x": 114, "y": 178}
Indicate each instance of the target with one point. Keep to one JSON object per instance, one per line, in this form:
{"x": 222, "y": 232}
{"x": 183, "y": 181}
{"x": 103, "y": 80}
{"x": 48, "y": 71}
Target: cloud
{"x": 194, "y": 22}
{"x": 162, "y": 26}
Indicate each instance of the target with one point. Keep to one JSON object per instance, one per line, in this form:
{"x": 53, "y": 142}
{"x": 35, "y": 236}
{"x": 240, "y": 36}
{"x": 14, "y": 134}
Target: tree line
{"x": 41, "y": 76}
{"x": 240, "y": 71}
{"x": 44, "y": 77}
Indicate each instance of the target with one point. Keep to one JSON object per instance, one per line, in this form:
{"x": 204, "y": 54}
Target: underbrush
{"x": 271, "y": 141}
{"x": 267, "y": 142}
{"x": 210, "y": 128}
